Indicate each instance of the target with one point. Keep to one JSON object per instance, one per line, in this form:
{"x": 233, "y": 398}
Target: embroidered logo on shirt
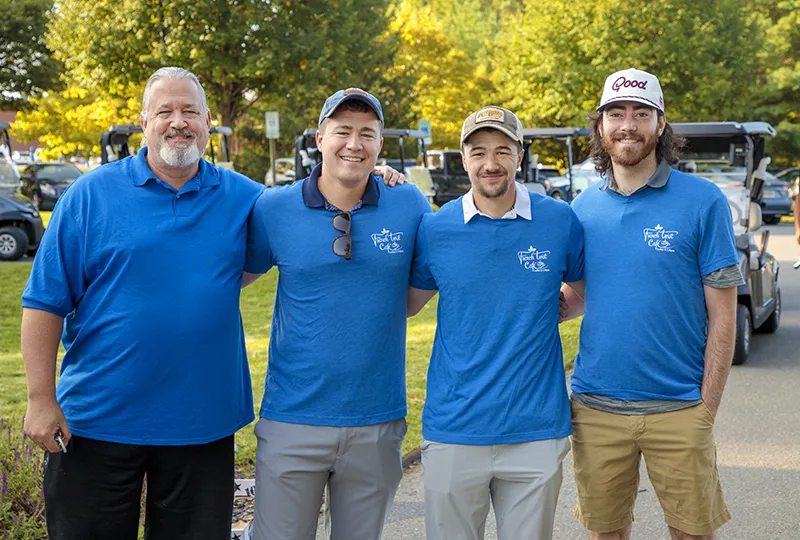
{"x": 388, "y": 241}
{"x": 534, "y": 260}
{"x": 659, "y": 238}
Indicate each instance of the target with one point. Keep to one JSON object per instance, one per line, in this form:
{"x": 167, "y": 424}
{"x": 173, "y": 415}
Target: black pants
{"x": 93, "y": 492}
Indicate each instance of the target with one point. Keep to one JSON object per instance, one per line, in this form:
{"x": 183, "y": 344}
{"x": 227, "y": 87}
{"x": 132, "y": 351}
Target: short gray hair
{"x": 172, "y": 74}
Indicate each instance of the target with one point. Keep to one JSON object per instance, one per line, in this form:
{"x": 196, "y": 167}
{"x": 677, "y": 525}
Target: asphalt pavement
{"x": 757, "y": 433}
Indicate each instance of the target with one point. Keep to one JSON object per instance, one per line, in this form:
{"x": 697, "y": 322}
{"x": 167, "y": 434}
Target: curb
{"x": 411, "y": 457}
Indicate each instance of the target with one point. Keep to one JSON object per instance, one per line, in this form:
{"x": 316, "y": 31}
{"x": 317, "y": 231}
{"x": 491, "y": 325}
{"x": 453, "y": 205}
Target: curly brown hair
{"x": 670, "y": 145}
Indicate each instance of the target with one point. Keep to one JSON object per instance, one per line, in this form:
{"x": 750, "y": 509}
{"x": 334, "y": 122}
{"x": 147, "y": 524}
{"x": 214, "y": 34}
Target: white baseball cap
{"x": 633, "y": 85}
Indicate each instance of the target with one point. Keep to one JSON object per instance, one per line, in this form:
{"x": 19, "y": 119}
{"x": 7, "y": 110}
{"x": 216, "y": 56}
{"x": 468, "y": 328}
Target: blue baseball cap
{"x": 351, "y": 94}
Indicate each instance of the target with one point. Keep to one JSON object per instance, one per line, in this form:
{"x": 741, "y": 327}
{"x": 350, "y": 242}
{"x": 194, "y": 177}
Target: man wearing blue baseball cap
{"x": 658, "y": 331}
{"x": 334, "y": 406}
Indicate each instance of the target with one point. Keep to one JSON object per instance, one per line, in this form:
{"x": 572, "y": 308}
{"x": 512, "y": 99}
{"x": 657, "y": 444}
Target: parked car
{"x": 284, "y": 173}
{"x": 734, "y": 157}
{"x": 21, "y": 226}
{"x": 792, "y": 177}
{"x": 775, "y": 200}
{"x": 43, "y": 183}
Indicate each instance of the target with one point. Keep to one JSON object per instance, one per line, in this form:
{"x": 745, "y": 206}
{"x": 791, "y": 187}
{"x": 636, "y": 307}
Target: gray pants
{"x": 522, "y": 481}
{"x": 361, "y": 467}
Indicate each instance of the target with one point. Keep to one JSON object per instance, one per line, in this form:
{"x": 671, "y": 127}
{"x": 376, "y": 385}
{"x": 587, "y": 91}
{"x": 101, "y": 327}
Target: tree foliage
{"x": 779, "y": 90}
{"x": 70, "y": 122}
{"x": 704, "y": 53}
{"x": 26, "y": 67}
{"x": 449, "y": 83}
{"x": 241, "y": 50}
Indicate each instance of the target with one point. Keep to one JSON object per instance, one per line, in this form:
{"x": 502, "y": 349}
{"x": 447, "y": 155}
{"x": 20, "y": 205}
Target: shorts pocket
{"x": 707, "y": 412}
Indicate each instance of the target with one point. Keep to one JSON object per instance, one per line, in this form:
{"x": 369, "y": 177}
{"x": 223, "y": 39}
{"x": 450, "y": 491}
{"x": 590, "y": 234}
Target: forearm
{"x": 249, "y": 278}
{"x": 41, "y": 333}
{"x": 574, "y": 296}
{"x": 719, "y": 351}
{"x": 417, "y": 298}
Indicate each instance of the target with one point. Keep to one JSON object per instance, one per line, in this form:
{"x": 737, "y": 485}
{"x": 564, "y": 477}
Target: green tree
{"x": 243, "y": 51}
{"x": 778, "y": 91}
{"x": 26, "y": 67}
{"x": 552, "y": 69}
{"x": 70, "y": 122}
{"x": 449, "y": 83}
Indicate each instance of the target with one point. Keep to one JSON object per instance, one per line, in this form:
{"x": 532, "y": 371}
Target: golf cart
{"x": 731, "y": 154}
{"x": 114, "y": 144}
{"x": 566, "y": 187}
{"x": 307, "y": 156}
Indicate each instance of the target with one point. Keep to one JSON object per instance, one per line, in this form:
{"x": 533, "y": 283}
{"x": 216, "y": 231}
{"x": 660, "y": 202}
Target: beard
{"x": 493, "y": 191}
{"x": 629, "y": 156}
{"x": 179, "y": 157}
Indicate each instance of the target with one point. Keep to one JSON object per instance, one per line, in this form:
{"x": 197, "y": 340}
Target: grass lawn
{"x": 256, "y": 304}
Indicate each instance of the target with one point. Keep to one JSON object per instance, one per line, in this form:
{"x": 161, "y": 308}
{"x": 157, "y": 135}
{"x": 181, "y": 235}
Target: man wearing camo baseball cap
{"x": 659, "y": 325}
{"x": 496, "y": 420}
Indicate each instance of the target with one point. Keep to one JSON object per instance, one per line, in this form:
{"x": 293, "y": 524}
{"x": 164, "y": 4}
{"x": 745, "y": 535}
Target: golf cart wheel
{"x": 772, "y": 220}
{"x": 744, "y": 331}
{"x": 557, "y": 194}
{"x": 13, "y": 243}
{"x": 774, "y": 321}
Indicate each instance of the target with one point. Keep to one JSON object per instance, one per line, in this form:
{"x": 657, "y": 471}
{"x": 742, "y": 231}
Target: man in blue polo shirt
{"x": 333, "y": 413}
{"x": 659, "y": 326}
{"x": 141, "y": 267}
{"x": 496, "y": 420}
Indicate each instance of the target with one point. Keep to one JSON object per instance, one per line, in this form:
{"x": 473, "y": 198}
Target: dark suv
{"x": 43, "y": 183}
{"x": 21, "y": 227}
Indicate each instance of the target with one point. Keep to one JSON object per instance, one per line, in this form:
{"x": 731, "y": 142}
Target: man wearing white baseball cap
{"x": 496, "y": 420}
{"x": 658, "y": 332}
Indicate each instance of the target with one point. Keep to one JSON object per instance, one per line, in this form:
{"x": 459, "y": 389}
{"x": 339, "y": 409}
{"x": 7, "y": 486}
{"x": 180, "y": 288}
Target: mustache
{"x": 185, "y": 131}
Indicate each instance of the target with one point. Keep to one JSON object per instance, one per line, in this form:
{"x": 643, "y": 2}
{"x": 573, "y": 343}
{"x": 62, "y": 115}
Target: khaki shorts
{"x": 681, "y": 458}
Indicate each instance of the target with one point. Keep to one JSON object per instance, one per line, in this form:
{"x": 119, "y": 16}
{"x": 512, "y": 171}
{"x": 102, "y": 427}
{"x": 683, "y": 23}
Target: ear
{"x": 521, "y": 155}
{"x": 143, "y": 121}
{"x": 318, "y": 138}
{"x": 662, "y": 124}
{"x": 381, "y": 146}
{"x": 208, "y": 119}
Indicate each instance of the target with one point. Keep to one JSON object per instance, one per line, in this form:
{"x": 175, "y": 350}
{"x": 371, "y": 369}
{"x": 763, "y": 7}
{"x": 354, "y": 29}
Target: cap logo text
{"x": 622, "y": 82}
{"x": 489, "y": 115}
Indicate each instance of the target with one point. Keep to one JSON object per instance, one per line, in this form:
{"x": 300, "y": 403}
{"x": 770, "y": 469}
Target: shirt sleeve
{"x": 717, "y": 244}
{"x": 258, "y": 255}
{"x": 421, "y": 275}
{"x": 58, "y": 278}
{"x": 574, "y": 269}
{"x": 724, "y": 278}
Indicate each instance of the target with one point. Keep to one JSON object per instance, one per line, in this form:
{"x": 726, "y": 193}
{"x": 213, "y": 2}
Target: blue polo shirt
{"x": 644, "y": 329}
{"x": 338, "y": 337}
{"x": 496, "y": 374}
{"x": 148, "y": 280}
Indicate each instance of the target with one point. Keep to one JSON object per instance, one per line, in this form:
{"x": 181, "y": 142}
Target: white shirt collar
{"x": 522, "y": 205}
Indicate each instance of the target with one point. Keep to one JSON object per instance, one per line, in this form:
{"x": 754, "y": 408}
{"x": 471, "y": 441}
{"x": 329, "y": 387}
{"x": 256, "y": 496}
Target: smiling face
{"x": 350, "y": 141}
{"x": 491, "y": 159}
{"x": 630, "y": 132}
{"x": 176, "y": 124}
